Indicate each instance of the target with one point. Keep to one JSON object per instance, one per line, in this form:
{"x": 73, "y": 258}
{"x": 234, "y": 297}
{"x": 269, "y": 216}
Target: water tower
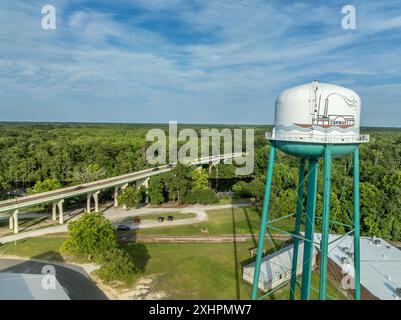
{"x": 314, "y": 121}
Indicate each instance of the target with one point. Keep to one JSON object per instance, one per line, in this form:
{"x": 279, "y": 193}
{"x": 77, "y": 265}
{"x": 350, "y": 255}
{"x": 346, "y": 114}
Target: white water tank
{"x": 318, "y": 112}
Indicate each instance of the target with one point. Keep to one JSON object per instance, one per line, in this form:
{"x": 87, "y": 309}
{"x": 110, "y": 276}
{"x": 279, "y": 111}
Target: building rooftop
{"x": 380, "y": 263}
{"x": 22, "y": 286}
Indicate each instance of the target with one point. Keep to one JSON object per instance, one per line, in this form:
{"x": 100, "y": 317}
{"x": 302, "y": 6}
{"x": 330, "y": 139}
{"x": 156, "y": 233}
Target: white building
{"x": 380, "y": 265}
{"x": 276, "y": 267}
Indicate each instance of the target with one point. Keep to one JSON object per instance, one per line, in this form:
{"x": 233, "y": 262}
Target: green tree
{"x": 131, "y": 196}
{"x": 89, "y": 235}
{"x": 44, "y": 186}
{"x": 257, "y": 189}
{"x": 156, "y": 190}
{"x": 178, "y": 182}
{"x": 200, "y": 180}
{"x": 116, "y": 264}
{"x": 90, "y": 172}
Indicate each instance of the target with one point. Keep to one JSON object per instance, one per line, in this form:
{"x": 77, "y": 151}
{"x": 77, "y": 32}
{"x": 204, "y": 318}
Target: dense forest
{"x": 73, "y": 153}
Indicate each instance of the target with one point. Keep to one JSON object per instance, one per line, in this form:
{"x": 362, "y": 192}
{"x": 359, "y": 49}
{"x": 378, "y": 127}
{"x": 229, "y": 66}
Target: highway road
{"x": 87, "y": 188}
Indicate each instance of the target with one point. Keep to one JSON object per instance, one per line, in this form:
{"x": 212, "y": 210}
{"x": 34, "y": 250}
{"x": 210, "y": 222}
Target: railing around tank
{"x": 317, "y": 138}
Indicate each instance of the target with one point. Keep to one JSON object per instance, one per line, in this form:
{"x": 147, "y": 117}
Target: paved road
{"x": 77, "y": 286}
{"x": 115, "y": 214}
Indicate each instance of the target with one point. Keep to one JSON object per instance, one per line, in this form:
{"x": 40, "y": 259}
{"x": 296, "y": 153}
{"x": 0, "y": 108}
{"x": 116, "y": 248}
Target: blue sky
{"x": 194, "y": 61}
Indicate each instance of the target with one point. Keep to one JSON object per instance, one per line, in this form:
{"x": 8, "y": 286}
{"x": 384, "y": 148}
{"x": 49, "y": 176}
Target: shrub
{"x": 132, "y": 197}
{"x": 44, "y": 186}
{"x": 201, "y": 196}
{"x": 89, "y": 235}
{"x": 116, "y": 264}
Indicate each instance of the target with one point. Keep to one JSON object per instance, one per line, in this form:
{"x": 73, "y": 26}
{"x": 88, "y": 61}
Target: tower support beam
{"x": 357, "y": 270}
{"x": 309, "y": 229}
{"x": 298, "y": 217}
{"x": 264, "y": 220}
{"x": 324, "y": 244}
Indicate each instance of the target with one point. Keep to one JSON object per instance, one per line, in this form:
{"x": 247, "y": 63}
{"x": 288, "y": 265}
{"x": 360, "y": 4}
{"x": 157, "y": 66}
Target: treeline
{"x": 73, "y": 153}
{"x": 182, "y": 184}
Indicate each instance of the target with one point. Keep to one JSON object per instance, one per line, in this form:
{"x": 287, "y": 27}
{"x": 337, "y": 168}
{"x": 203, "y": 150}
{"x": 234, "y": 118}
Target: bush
{"x": 201, "y": 196}
{"x": 44, "y": 186}
{"x": 117, "y": 264}
{"x": 89, "y": 235}
{"x": 132, "y": 197}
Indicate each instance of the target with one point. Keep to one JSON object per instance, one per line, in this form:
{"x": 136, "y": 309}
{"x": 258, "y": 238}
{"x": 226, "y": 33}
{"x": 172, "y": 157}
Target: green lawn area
{"x": 182, "y": 270}
{"x": 195, "y": 271}
{"x": 223, "y": 221}
{"x": 204, "y": 271}
{"x": 46, "y": 248}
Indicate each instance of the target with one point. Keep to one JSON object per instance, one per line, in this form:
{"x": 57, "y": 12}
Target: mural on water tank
{"x": 325, "y": 120}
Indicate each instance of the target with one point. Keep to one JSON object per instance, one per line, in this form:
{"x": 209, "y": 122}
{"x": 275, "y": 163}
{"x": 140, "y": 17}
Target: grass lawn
{"x": 222, "y": 221}
{"x": 195, "y": 271}
{"x": 183, "y": 271}
{"x": 46, "y": 248}
{"x": 203, "y": 271}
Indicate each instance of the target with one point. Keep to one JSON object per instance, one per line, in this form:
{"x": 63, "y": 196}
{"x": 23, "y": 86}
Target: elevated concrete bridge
{"x": 92, "y": 190}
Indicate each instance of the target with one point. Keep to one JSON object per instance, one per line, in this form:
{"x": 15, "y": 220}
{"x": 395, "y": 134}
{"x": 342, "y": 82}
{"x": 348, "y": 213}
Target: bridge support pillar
{"x": 116, "y": 196}
{"x": 122, "y": 188}
{"x": 15, "y": 218}
{"x": 54, "y": 210}
{"x": 88, "y": 202}
{"x": 60, "y": 212}
{"x": 11, "y": 222}
{"x": 144, "y": 183}
{"x": 96, "y": 198}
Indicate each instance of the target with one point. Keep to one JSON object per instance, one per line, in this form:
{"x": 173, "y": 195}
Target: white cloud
{"x": 236, "y": 55}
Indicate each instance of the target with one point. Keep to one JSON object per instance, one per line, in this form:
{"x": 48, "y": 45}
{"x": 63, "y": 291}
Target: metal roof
{"x": 380, "y": 263}
{"x": 23, "y": 286}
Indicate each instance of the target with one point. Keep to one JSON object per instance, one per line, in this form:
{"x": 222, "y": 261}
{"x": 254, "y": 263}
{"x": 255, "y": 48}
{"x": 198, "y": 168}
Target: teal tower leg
{"x": 264, "y": 220}
{"x": 325, "y": 222}
{"x": 298, "y": 217}
{"x": 357, "y": 256}
{"x": 309, "y": 229}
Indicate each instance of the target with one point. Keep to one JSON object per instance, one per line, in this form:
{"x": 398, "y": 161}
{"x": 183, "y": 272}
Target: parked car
{"x": 137, "y": 220}
{"x": 122, "y": 227}
{"x": 170, "y": 218}
{"x": 160, "y": 219}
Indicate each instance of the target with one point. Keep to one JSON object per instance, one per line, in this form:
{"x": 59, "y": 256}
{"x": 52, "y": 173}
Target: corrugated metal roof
{"x": 380, "y": 263}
